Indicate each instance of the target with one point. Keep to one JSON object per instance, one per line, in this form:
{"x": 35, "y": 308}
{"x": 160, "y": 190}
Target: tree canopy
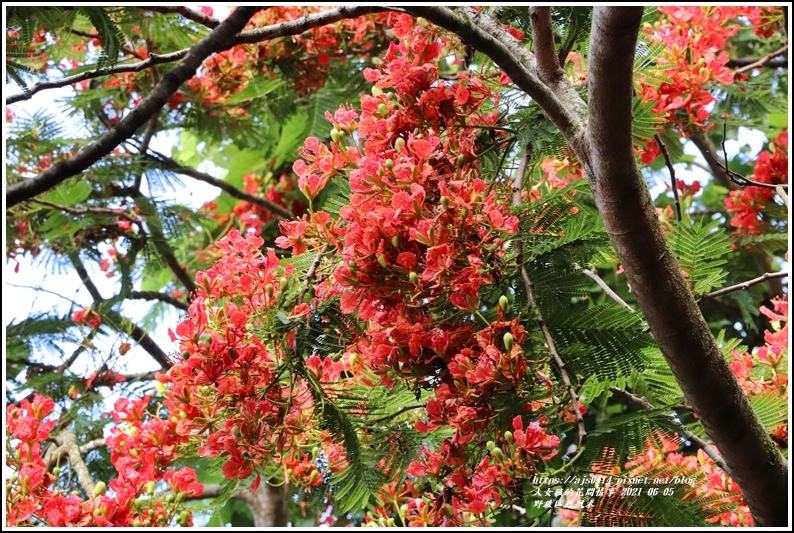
{"x": 465, "y": 266}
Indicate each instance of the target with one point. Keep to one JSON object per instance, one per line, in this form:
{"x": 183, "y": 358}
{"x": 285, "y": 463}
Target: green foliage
{"x": 702, "y": 250}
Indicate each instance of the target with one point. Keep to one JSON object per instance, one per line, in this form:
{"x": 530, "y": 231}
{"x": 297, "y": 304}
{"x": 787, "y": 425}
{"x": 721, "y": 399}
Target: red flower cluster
{"x": 226, "y": 393}
{"x": 303, "y": 59}
{"x": 141, "y": 450}
{"x": 422, "y": 230}
{"x": 695, "y": 39}
{"x": 747, "y": 204}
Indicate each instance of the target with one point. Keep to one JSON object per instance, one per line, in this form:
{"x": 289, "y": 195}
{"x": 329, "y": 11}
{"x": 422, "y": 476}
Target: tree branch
{"x": 85, "y": 278}
{"x": 153, "y": 59}
{"x": 744, "y": 285}
{"x": 54, "y": 457}
{"x": 679, "y": 328}
{"x": 89, "y": 210}
{"x": 228, "y": 188}
{"x": 563, "y": 106}
{"x": 153, "y": 295}
{"x": 592, "y": 274}
{"x": 709, "y": 153}
{"x": 141, "y": 337}
{"x": 518, "y": 183}
{"x": 298, "y": 26}
{"x": 549, "y": 69}
{"x": 188, "y": 13}
{"x": 679, "y": 216}
{"x": 122, "y": 324}
{"x": 294, "y": 27}
{"x": 762, "y": 61}
{"x": 67, "y": 444}
{"x": 680, "y": 428}
{"x": 221, "y": 38}
{"x": 744, "y": 61}
{"x": 160, "y": 242}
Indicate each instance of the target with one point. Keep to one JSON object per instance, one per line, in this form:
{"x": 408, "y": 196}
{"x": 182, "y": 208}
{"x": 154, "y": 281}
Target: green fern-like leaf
{"x": 606, "y": 341}
{"x": 108, "y": 32}
{"x": 702, "y": 248}
{"x": 771, "y": 409}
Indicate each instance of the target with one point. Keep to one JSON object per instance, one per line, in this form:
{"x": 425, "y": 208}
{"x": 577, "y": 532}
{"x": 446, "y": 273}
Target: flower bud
{"x": 282, "y": 284}
{"x": 414, "y": 277}
{"x": 389, "y": 164}
{"x": 269, "y": 288}
{"x": 503, "y": 303}
{"x": 383, "y": 110}
{"x": 336, "y": 135}
{"x": 150, "y": 485}
{"x": 99, "y": 489}
{"x": 395, "y": 241}
{"x": 490, "y": 445}
{"x": 399, "y": 144}
{"x": 508, "y": 436}
{"x": 382, "y": 261}
{"x": 376, "y": 91}
{"x": 508, "y": 340}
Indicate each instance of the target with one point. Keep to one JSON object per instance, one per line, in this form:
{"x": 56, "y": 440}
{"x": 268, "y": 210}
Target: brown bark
{"x": 655, "y": 277}
{"x": 268, "y": 505}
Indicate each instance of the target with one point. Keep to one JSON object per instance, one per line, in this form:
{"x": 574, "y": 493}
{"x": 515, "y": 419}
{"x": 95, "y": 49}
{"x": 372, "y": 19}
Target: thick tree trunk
{"x": 655, "y": 277}
{"x": 268, "y": 505}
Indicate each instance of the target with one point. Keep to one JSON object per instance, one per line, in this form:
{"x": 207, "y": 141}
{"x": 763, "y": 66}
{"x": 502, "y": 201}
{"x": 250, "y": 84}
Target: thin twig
{"x": 231, "y": 190}
{"x": 763, "y": 61}
{"x": 312, "y": 270}
{"x": 153, "y": 59}
{"x": 529, "y": 288}
{"x": 88, "y": 210}
{"x": 744, "y": 285}
{"x": 709, "y": 152}
{"x": 735, "y": 176}
{"x": 592, "y": 274}
{"x": 680, "y": 427}
{"x": 669, "y": 164}
{"x": 396, "y": 413}
{"x": 188, "y": 13}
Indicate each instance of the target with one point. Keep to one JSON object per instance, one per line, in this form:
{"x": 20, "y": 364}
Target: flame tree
{"x": 435, "y": 288}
